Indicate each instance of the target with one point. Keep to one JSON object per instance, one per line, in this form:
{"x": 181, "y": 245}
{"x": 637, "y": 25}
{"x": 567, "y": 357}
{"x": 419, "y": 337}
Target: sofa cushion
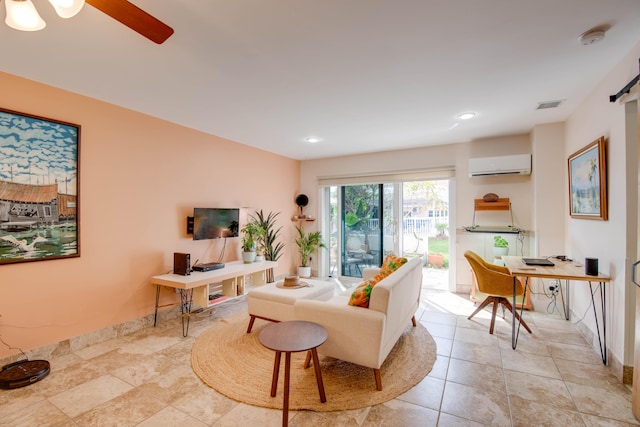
{"x": 393, "y": 262}
{"x": 361, "y": 295}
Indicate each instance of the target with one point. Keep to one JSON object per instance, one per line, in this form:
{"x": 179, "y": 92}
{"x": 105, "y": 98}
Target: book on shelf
{"x": 216, "y": 298}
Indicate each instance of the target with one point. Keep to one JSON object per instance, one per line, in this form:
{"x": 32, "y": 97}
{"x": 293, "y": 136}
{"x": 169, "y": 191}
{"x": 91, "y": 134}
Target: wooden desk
{"x": 562, "y": 270}
{"x": 229, "y": 281}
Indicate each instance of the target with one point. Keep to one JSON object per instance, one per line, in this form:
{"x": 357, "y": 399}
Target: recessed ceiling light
{"x": 312, "y": 139}
{"x": 466, "y": 116}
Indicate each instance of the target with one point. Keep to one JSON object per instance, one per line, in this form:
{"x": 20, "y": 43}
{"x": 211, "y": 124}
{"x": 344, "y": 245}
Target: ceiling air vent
{"x": 549, "y": 104}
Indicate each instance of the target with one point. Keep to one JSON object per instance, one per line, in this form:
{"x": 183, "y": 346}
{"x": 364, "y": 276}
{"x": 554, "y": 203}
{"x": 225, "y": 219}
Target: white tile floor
{"x": 553, "y": 378}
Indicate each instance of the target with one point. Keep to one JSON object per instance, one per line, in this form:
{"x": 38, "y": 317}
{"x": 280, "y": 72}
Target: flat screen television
{"x": 215, "y": 223}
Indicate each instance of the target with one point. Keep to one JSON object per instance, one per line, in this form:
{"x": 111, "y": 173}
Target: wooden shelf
{"x": 502, "y": 204}
{"x": 302, "y": 218}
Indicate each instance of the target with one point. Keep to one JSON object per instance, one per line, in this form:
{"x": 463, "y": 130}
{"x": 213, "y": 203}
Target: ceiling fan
{"x": 135, "y": 18}
{"x": 22, "y": 15}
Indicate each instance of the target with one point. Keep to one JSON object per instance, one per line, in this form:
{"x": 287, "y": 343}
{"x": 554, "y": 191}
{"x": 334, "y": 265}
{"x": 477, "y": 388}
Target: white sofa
{"x": 365, "y": 336}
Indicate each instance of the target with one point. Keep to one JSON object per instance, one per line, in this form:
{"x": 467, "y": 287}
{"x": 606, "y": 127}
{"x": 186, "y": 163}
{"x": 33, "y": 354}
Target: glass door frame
{"x": 325, "y": 267}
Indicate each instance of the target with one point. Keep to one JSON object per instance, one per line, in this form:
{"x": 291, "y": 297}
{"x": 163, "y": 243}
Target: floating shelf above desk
{"x": 502, "y": 204}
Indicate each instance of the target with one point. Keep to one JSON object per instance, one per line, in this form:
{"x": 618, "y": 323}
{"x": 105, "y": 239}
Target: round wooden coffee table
{"x": 292, "y": 337}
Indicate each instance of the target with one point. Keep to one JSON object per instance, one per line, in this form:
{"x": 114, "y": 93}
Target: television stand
{"x": 208, "y": 266}
{"x": 228, "y": 281}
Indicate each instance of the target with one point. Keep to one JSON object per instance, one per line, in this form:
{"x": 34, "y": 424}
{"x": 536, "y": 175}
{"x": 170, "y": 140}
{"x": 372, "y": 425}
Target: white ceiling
{"x": 362, "y": 75}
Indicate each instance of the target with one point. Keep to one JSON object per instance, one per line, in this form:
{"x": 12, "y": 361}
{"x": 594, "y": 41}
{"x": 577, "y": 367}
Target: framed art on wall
{"x": 588, "y": 182}
{"x": 39, "y": 188}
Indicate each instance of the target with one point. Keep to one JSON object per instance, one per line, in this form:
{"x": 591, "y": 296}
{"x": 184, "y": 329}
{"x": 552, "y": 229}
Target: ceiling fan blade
{"x": 135, "y": 18}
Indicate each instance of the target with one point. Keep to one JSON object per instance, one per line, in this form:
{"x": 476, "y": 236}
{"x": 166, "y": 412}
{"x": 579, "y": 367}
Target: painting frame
{"x": 588, "y": 182}
{"x": 39, "y": 188}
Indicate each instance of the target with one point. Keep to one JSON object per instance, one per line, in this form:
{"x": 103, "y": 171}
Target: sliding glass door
{"x": 368, "y": 221}
{"x": 361, "y": 213}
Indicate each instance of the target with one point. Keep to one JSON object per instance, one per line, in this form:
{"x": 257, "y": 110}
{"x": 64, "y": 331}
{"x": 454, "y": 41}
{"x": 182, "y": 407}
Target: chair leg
{"x": 493, "y": 315}
{"x": 484, "y": 303}
{"x": 507, "y": 304}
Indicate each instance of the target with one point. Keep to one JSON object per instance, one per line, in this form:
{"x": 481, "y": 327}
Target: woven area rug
{"x": 235, "y": 364}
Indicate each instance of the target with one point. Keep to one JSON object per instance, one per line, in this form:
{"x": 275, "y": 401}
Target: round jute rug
{"x": 235, "y": 364}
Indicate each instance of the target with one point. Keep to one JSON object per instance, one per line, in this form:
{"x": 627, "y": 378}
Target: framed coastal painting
{"x": 39, "y": 188}
{"x": 588, "y": 182}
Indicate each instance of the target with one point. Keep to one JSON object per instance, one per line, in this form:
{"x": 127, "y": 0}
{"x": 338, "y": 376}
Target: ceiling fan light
{"x": 22, "y": 15}
{"x": 67, "y": 8}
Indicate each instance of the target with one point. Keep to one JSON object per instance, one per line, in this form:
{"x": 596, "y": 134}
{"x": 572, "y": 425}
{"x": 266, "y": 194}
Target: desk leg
{"x": 186, "y": 300}
{"x": 602, "y": 341}
{"x": 514, "y": 340}
{"x": 565, "y": 305}
{"x": 515, "y": 332}
{"x": 155, "y": 314}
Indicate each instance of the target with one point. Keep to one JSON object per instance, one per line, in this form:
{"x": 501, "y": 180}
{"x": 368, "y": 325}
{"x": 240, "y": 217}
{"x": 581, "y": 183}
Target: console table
{"x": 228, "y": 281}
{"x": 562, "y": 270}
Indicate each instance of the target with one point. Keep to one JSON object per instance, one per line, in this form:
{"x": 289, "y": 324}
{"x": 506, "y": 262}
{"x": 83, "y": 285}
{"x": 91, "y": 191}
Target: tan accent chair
{"x": 495, "y": 281}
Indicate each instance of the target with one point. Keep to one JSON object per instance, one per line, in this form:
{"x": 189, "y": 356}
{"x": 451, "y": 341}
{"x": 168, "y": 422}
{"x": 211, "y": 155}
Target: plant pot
{"x": 304, "y": 271}
{"x": 248, "y": 257}
{"x": 499, "y": 252}
{"x": 437, "y": 260}
{"x": 259, "y": 258}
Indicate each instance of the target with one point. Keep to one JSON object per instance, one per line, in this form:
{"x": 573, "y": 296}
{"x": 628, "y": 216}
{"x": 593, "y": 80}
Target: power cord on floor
{"x": 588, "y": 306}
{"x": 552, "y": 290}
{"x": 13, "y": 348}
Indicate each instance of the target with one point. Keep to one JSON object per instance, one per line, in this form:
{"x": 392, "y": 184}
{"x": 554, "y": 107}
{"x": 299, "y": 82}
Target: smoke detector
{"x": 591, "y": 37}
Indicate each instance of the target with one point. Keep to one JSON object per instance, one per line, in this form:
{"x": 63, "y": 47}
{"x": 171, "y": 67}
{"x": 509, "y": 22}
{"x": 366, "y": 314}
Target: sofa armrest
{"x": 369, "y": 272}
{"x": 355, "y": 333}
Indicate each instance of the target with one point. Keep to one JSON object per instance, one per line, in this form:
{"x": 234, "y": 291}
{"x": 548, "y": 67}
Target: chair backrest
{"x": 492, "y": 279}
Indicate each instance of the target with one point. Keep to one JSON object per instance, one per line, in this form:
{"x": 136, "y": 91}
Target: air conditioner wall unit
{"x": 519, "y": 164}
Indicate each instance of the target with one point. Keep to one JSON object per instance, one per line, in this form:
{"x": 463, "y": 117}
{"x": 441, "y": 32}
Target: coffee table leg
{"x": 287, "y": 371}
{"x": 276, "y": 371}
{"x": 316, "y": 366}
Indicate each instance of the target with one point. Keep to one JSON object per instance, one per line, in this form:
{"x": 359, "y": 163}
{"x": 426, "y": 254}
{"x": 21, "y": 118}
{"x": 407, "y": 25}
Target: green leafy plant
{"x": 252, "y": 232}
{"x": 499, "y": 242}
{"x": 308, "y": 243}
{"x": 272, "y": 248}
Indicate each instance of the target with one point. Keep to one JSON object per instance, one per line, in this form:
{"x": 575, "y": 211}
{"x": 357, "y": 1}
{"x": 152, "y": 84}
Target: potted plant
{"x": 251, "y": 232}
{"x": 259, "y": 235}
{"x": 307, "y": 243}
{"x": 500, "y": 246}
{"x": 272, "y": 248}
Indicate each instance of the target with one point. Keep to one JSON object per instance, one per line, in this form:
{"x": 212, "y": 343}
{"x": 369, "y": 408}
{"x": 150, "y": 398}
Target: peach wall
{"x": 140, "y": 178}
{"x": 517, "y": 188}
